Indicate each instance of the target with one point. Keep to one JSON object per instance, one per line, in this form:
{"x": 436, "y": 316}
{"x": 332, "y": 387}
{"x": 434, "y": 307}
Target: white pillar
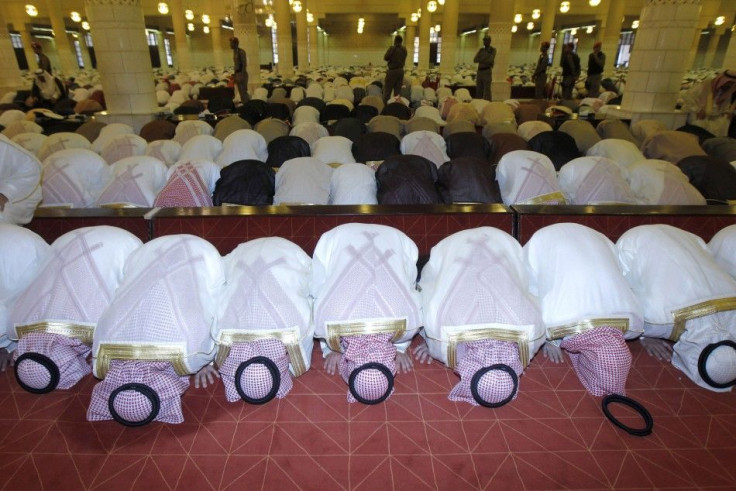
{"x": 424, "y": 24}
{"x": 217, "y": 50}
{"x": 499, "y": 28}
{"x": 302, "y": 45}
{"x": 244, "y": 28}
{"x": 64, "y": 49}
{"x": 449, "y": 37}
{"x": 610, "y": 34}
{"x": 548, "y": 21}
{"x": 182, "y": 60}
{"x": 285, "y": 65}
{"x": 313, "y": 46}
{"x": 658, "y": 62}
{"x": 123, "y": 59}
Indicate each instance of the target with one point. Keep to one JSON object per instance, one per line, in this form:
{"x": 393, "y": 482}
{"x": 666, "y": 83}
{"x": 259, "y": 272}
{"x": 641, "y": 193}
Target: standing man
{"x": 540, "y": 72}
{"x": 43, "y": 61}
{"x": 485, "y": 59}
{"x": 240, "y": 63}
{"x": 596, "y": 62}
{"x": 570, "y": 63}
{"x": 396, "y": 57}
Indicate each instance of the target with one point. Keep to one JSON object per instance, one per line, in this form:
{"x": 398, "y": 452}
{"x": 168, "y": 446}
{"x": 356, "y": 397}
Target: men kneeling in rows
{"x": 152, "y": 314}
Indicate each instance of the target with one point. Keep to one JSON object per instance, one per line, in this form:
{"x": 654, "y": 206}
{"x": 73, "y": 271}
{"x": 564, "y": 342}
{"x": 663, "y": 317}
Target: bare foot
{"x": 552, "y": 352}
{"x": 421, "y": 353}
{"x": 331, "y": 362}
{"x": 6, "y": 359}
{"x": 403, "y": 362}
{"x": 206, "y": 375}
{"x": 658, "y": 348}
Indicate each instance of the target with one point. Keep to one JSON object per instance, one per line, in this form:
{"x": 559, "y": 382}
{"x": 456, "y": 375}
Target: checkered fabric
{"x": 69, "y": 355}
{"x": 601, "y": 359}
{"x": 133, "y": 406}
{"x": 361, "y": 349}
{"x": 185, "y": 187}
{"x": 256, "y": 379}
{"x": 495, "y": 385}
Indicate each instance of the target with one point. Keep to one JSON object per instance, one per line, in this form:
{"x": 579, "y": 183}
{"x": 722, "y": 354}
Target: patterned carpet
{"x": 553, "y": 436}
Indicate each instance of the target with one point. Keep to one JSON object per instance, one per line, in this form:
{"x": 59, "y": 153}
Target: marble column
{"x": 285, "y": 65}
{"x": 409, "y": 36}
{"x": 710, "y": 54}
{"x": 182, "y": 60}
{"x": 499, "y": 28}
{"x": 729, "y": 61}
{"x": 10, "y": 76}
{"x": 313, "y": 48}
{"x": 657, "y": 63}
{"x": 449, "y": 37}
{"x": 244, "y": 28}
{"x": 610, "y": 34}
{"x": 302, "y": 45}
{"x": 64, "y": 49}
{"x": 123, "y": 60}
{"x": 218, "y": 52}
{"x": 548, "y": 21}
{"x": 425, "y": 21}
{"x": 708, "y": 13}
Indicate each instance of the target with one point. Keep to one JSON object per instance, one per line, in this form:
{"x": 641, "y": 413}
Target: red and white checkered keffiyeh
{"x": 495, "y": 385}
{"x": 185, "y": 187}
{"x": 68, "y": 354}
{"x": 133, "y": 406}
{"x": 601, "y": 359}
{"x": 256, "y": 379}
{"x": 370, "y": 348}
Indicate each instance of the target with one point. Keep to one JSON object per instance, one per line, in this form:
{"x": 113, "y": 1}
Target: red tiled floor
{"x": 553, "y": 436}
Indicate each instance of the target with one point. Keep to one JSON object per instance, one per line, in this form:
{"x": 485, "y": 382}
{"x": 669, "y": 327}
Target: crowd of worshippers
{"x": 316, "y": 153}
{"x": 145, "y": 317}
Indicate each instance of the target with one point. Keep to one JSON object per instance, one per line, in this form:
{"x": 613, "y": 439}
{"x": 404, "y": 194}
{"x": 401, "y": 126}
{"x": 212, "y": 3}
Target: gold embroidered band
{"x": 557, "y": 332}
{"x": 290, "y": 338}
{"x": 681, "y": 316}
{"x": 82, "y": 332}
{"x": 173, "y": 353}
{"x": 119, "y": 205}
{"x": 336, "y": 330}
{"x": 545, "y": 198}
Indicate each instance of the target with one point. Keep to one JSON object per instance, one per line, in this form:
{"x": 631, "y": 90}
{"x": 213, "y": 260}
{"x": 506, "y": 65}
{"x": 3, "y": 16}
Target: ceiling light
{"x": 518, "y": 18}
{"x": 589, "y": 29}
{"x": 85, "y": 25}
{"x": 536, "y": 13}
{"x": 163, "y": 8}
{"x": 414, "y": 17}
{"x": 31, "y": 10}
{"x": 269, "y": 21}
{"x": 310, "y": 17}
{"x": 190, "y": 27}
{"x": 514, "y": 28}
{"x": 431, "y": 6}
{"x": 437, "y": 28}
{"x": 297, "y": 6}
{"x": 205, "y": 19}
{"x": 76, "y": 17}
{"x": 720, "y": 20}
{"x": 206, "y": 29}
{"x": 635, "y": 24}
{"x": 441, "y": 2}
{"x": 594, "y": 3}
{"x": 565, "y": 7}
{"x": 188, "y": 15}
{"x": 530, "y": 26}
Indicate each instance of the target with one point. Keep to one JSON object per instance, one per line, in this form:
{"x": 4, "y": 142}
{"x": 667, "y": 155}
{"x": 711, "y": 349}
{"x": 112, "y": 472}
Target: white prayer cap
{"x": 717, "y": 364}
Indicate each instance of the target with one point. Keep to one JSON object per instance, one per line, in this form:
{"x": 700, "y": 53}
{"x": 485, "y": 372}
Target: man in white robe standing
{"x": 587, "y": 306}
{"x": 688, "y": 299}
